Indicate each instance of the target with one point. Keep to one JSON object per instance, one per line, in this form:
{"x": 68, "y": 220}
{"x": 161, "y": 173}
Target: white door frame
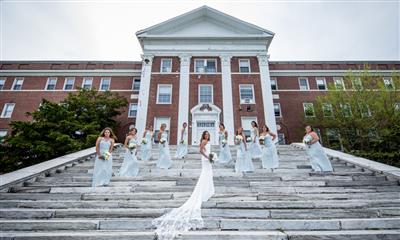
{"x": 201, "y": 114}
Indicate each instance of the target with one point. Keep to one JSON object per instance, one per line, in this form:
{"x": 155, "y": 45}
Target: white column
{"x": 227, "y": 102}
{"x": 183, "y": 105}
{"x": 144, "y": 93}
{"x": 266, "y": 90}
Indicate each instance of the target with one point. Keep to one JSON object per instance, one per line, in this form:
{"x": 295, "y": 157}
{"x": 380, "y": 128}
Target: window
{"x": 388, "y": 83}
{"x": 2, "y": 82}
{"x": 132, "y": 110}
{"x": 3, "y": 133}
{"x": 346, "y": 110}
{"x": 166, "y": 65}
{"x": 164, "y": 93}
{"x": 308, "y": 109}
{"x": 397, "y": 106}
{"x": 327, "y": 110}
{"x": 157, "y": 124}
{"x": 136, "y": 84}
{"x": 321, "y": 83}
{"x": 364, "y": 110}
{"x": 281, "y": 139}
{"x": 277, "y": 110}
{"x": 51, "y": 83}
{"x": 69, "y": 83}
{"x": 274, "y": 84}
{"x": 357, "y": 84}
{"x": 205, "y": 65}
{"x": 339, "y": 84}
{"x": 303, "y": 83}
{"x": 205, "y": 93}
{"x": 244, "y": 65}
{"x": 105, "y": 84}
{"x": 17, "y": 85}
{"x": 246, "y": 93}
{"x": 246, "y": 124}
{"x": 7, "y": 110}
{"x": 333, "y": 137}
{"x": 87, "y": 83}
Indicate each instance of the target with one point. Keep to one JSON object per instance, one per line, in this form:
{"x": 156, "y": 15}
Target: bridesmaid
{"x": 146, "y": 147}
{"x": 255, "y": 148}
{"x": 130, "y": 165}
{"x": 224, "y": 150}
{"x": 269, "y": 157}
{"x": 102, "y": 172}
{"x": 182, "y": 149}
{"x": 319, "y": 160}
{"x": 164, "y": 157}
{"x": 243, "y": 159}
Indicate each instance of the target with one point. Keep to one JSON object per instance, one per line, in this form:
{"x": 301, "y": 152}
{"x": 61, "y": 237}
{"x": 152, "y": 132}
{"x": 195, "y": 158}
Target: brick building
{"x": 202, "y": 67}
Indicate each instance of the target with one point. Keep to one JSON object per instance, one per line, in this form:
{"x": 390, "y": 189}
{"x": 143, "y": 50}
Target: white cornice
{"x": 87, "y": 72}
{"x": 324, "y": 73}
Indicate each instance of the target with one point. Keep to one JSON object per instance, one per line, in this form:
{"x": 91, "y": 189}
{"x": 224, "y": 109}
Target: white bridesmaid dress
{"x": 102, "y": 172}
{"x": 224, "y": 151}
{"x": 182, "y": 148}
{"x": 269, "y": 156}
{"x": 130, "y": 165}
{"x": 146, "y": 148}
{"x": 319, "y": 160}
{"x": 254, "y": 147}
{"x": 244, "y": 162}
{"x": 164, "y": 157}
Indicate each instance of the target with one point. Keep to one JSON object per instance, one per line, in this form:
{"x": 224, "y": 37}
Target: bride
{"x": 188, "y": 216}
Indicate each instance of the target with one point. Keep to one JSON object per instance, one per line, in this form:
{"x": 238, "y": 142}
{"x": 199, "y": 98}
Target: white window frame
{"x": 330, "y": 107}
{"x": 320, "y": 79}
{"x": 280, "y": 110}
{"x": 48, "y": 82}
{"x": 212, "y": 92}
{"x": 244, "y": 60}
{"x": 243, "y": 101}
{"x": 204, "y": 67}
{"x": 283, "y": 138}
{"x": 276, "y": 83}
{"x": 133, "y": 84}
{"x": 91, "y": 82}
{"x": 101, "y": 84}
{"x": 129, "y": 110}
{"x": 308, "y": 84}
{"x": 335, "y": 82}
{"x": 65, "y": 83}
{"x": 162, "y": 65}
{"x": 15, "y": 82}
{"x": 5, "y": 108}
{"x": 2, "y": 79}
{"x": 2, "y": 131}
{"x": 158, "y": 91}
{"x": 354, "y": 80}
{"x": 167, "y": 121}
{"x": 390, "y": 81}
{"x": 247, "y": 119}
{"x": 304, "y": 109}
{"x": 342, "y": 109}
{"x": 368, "y": 113}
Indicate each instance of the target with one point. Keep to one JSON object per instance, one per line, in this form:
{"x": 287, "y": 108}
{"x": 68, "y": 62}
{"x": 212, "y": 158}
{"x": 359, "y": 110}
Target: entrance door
{"x": 206, "y": 126}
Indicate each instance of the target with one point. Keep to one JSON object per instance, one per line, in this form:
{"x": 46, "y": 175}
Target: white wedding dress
{"x": 188, "y": 216}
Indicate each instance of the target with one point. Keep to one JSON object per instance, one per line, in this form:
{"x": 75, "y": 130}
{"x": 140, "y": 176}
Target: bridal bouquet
{"x": 223, "y": 142}
{"x": 213, "y": 157}
{"x": 144, "y": 141}
{"x": 132, "y": 146}
{"x": 307, "y": 139}
{"x": 163, "y": 141}
{"x": 106, "y": 155}
{"x": 262, "y": 140}
{"x": 248, "y": 139}
{"x": 182, "y": 141}
{"x": 238, "y": 139}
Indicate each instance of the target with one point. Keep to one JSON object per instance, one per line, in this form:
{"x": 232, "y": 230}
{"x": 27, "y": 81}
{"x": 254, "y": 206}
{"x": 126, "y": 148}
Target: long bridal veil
{"x": 188, "y": 216}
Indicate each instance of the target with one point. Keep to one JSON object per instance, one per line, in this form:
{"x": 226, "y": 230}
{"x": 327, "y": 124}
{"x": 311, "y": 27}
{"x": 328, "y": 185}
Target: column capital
{"x": 185, "y": 59}
{"x": 263, "y": 59}
{"x": 225, "y": 59}
{"x": 147, "y": 58}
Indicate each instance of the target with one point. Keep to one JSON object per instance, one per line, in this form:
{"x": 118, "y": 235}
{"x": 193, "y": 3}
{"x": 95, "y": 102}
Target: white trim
{"x": 158, "y": 91}
{"x": 324, "y": 73}
{"x": 227, "y": 98}
{"x": 324, "y": 80}
{"x": 280, "y": 110}
{"x": 129, "y": 110}
{"x": 212, "y": 92}
{"x": 342, "y": 109}
{"x": 356, "y": 79}
{"x": 15, "y": 82}
{"x": 101, "y": 84}
{"x": 183, "y": 104}
{"x": 335, "y": 79}
{"x": 87, "y": 78}
{"x": 304, "y": 109}
{"x": 390, "y": 80}
{"x": 205, "y": 59}
{"x": 4, "y": 110}
{"x": 276, "y": 83}
{"x": 2, "y": 130}
{"x": 133, "y": 84}
{"x": 303, "y": 78}
{"x": 65, "y": 83}
{"x": 247, "y": 60}
{"x": 47, "y": 83}
{"x": 253, "y": 101}
{"x": 330, "y": 107}
{"x": 72, "y": 73}
{"x": 161, "y": 65}
{"x": 3, "y": 79}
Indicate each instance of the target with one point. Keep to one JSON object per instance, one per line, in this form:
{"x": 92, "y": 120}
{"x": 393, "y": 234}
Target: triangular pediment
{"x": 204, "y": 22}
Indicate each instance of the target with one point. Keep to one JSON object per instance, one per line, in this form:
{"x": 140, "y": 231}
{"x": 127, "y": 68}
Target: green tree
{"x": 60, "y": 128}
{"x": 362, "y": 118}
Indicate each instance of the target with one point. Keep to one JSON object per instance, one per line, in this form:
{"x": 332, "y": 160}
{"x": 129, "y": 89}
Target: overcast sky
{"x": 105, "y": 30}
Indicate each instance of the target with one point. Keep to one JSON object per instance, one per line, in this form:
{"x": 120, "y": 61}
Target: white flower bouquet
{"x": 182, "y": 142}
{"x": 144, "y": 141}
{"x": 238, "y": 139}
{"x": 163, "y": 141}
{"x": 223, "y": 142}
{"x": 248, "y": 139}
{"x": 106, "y": 155}
{"x": 307, "y": 139}
{"x": 213, "y": 157}
{"x": 262, "y": 140}
{"x": 132, "y": 146}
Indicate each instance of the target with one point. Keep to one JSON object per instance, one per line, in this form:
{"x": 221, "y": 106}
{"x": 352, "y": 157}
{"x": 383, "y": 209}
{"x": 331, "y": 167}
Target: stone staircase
{"x": 289, "y": 203}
